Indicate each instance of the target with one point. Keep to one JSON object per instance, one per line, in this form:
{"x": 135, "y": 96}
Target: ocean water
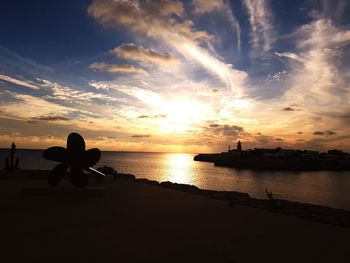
{"x": 322, "y": 187}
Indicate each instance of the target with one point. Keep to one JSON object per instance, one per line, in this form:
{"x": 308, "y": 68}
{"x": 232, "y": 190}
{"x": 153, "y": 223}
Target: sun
{"x": 182, "y": 115}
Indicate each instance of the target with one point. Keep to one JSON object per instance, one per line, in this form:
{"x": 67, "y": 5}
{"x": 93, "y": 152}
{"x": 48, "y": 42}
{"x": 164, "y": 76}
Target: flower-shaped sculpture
{"x": 73, "y": 160}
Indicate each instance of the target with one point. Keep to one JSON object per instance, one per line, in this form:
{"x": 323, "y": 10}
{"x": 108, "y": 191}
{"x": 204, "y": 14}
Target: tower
{"x": 239, "y": 146}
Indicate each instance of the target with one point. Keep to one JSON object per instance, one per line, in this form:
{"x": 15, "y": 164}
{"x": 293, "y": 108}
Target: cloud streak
{"x": 326, "y": 133}
{"x": 262, "y": 30}
{"x": 133, "y": 52}
{"x": 51, "y": 118}
{"x": 207, "y": 6}
{"x": 141, "y": 136}
{"x": 150, "y": 18}
{"x": 231, "y": 77}
{"x": 116, "y": 68}
{"x": 27, "y": 84}
{"x": 30, "y": 107}
{"x": 67, "y": 94}
{"x": 202, "y": 7}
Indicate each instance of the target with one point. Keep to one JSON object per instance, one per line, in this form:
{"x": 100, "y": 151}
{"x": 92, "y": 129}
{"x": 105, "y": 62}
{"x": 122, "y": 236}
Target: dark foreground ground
{"x": 134, "y": 222}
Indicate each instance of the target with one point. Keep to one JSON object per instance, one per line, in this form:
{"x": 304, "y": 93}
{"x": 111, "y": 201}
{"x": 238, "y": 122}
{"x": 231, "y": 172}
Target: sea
{"x": 329, "y": 188}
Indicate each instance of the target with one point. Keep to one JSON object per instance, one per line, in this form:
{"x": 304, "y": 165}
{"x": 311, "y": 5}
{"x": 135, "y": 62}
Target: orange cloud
{"x": 116, "y": 68}
{"x": 131, "y": 51}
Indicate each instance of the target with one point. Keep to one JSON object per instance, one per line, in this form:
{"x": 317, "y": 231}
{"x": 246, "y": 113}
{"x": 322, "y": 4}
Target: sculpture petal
{"x": 91, "y": 157}
{"x": 78, "y": 177}
{"x": 57, "y": 173}
{"x": 55, "y": 153}
{"x": 75, "y": 143}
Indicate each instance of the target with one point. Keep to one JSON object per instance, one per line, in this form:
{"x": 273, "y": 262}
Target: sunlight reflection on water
{"x": 180, "y": 168}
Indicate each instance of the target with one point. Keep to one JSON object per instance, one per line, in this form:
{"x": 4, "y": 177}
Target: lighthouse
{"x": 239, "y": 146}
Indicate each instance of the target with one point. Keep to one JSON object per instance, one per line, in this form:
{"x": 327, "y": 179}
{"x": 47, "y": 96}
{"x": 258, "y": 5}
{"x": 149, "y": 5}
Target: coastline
{"x": 273, "y": 164}
{"x": 313, "y": 212}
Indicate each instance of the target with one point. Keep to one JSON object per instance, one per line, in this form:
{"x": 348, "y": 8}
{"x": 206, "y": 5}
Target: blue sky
{"x": 176, "y": 75}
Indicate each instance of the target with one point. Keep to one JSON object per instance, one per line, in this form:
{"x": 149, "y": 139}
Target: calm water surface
{"x": 325, "y": 187}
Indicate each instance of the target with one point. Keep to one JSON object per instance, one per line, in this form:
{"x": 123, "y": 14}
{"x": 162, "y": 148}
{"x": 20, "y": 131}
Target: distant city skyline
{"x": 176, "y": 76}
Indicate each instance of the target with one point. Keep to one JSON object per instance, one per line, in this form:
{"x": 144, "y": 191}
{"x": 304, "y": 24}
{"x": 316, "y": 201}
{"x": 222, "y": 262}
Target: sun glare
{"x": 182, "y": 114}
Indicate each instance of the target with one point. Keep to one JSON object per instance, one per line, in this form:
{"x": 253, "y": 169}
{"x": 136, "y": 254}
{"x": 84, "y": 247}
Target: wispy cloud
{"x": 141, "y": 136}
{"x": 27, "y": 84}
{"x": 167, "y": 24}
{"x": 317, "y": 81}
{"x": 224, "y": 7}
{"x": 98, "y": 85}
{"x": 158, "y": 116}
{"x": 326, "y": 133}
{"x": 67, "y": 94}
{"x": 334, "y": 10}
{"x": 51, "y": 118}
{"x": 288, "y": 109}
{"x": 116, "y": 68}
{"x": 231, "y": 77}
{"x": 149, "y": 18}
{"x": 290, "y": 55}
{"x": 143, "y": 55}
{"x": 14, "y": 63}
{"x": 31, "y": 107}
{"x": 146, "y": 96}
{"x": 233, "y": 131}
{"x": 234, "y": 23}
{"x": 262, "y": 30}
{"x": 207, "y": 6}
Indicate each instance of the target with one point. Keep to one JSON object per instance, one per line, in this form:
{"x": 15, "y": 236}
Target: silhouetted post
{"x": 12, "y": 158}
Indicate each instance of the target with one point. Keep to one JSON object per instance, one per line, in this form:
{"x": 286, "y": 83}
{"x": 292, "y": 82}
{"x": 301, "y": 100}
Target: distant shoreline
{"x": 318, "y": 213}
{"x": 273, "y": 164}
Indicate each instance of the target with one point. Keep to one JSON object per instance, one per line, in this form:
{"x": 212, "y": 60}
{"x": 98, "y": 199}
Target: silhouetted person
{"x": 13, "y": 149}
{"x": 10, "y": 163}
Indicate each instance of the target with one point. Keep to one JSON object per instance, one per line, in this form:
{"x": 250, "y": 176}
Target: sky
{"x": 176, "y": 76}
